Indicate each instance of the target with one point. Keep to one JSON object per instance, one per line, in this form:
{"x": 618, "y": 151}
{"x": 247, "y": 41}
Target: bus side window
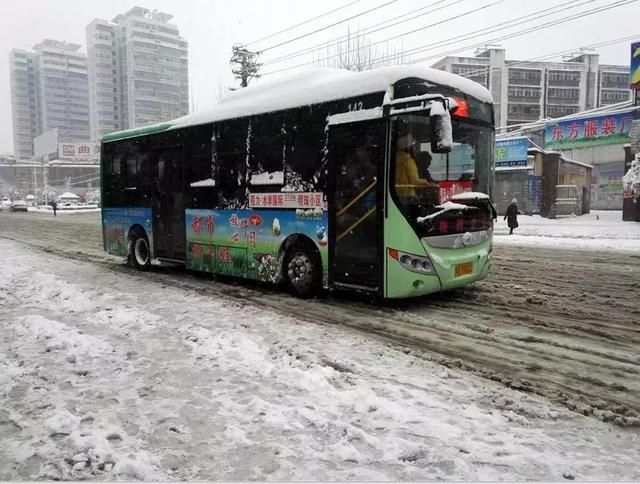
{"x": 304, "y": 139}
{"x": 200, "y": 168}
{"x": 266, "y": 150}
{"x": 231, "y": 158}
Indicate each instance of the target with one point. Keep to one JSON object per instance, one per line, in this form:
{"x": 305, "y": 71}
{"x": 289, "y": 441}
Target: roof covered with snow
{"x": 311, "y": 87}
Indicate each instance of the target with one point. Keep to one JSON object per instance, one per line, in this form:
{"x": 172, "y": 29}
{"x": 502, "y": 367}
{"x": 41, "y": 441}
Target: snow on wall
{"x": 321, "y": 85}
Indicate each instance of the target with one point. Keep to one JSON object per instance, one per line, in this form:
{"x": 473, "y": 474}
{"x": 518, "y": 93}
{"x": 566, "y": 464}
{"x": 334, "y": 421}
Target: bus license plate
{"x": 464, "y": 269}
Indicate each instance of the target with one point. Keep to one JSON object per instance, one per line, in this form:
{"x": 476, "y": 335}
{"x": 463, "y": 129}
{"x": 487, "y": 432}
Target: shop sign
{"x": 586, "y": 132}
{"x": 512, "y": 151}
{"x": 634, "y": 75}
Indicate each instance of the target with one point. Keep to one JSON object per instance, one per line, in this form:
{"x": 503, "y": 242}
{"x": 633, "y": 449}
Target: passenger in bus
{"x": 407, "y": 177}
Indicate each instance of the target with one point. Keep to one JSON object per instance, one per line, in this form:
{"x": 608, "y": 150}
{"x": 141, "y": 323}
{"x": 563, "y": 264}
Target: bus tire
{"x": 303, "y": 272}
{"x": 139, "y": 251}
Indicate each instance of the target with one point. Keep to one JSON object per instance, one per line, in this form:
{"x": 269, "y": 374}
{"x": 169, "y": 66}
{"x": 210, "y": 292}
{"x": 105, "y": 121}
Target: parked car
{"x": 18, "y": 206}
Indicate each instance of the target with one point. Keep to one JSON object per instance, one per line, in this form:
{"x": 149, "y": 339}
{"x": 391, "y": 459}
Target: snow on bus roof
{"x": 309, "y": 87}
{"x": 322, "y": 85}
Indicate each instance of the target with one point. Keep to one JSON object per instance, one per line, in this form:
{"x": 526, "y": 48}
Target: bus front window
{"x": 422, "y": 180}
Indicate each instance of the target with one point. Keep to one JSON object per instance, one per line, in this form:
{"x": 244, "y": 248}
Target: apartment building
{"x": 24, "y": 101}
{"x": 138, "y": 70}
{"x": 526, "y": 91}
{"x": 49, "y": 90}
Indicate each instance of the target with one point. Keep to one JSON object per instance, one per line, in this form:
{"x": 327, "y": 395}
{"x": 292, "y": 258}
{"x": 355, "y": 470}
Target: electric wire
{"x": 367, "y": 30}
{"x": 302, "y": 23}
{"x": 449, "y": 19}
{"x": 326, "y": 27}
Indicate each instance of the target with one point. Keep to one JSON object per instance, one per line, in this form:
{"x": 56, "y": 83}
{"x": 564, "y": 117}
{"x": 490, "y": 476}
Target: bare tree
{"x": 355, "y": 53}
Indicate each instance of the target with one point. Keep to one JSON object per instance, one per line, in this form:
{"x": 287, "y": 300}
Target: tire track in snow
{"x": 562, "y": 324}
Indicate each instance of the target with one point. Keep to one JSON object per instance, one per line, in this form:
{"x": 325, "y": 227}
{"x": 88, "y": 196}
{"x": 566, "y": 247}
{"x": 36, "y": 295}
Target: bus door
{"x": 356, "y": 170}
{"x": 168, "y": 203}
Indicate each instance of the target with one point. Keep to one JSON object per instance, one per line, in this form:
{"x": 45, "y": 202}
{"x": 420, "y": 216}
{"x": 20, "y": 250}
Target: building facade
{"x": 138, "y": 70}
{"x": 49, "y": 90}
{"x": 24, "y": 102}
{"x": 526, "y": 91}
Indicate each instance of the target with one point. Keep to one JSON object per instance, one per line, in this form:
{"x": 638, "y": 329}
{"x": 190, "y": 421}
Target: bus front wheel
{"x": 302, "y": 269}
{"x": 139, "y": 252}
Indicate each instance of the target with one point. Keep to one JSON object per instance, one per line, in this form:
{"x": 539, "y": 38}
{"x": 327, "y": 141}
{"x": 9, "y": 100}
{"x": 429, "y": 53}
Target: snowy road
{"x": 112, "y": 374}
{"x": 561, "y": 324}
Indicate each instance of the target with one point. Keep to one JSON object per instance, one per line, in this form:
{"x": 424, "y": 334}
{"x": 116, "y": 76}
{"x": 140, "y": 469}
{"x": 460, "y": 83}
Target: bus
{"x": 377, "y": 182}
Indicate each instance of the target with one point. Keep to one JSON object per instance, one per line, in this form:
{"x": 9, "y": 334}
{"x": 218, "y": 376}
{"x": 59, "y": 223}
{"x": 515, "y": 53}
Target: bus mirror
{"x": 440, "y": 127}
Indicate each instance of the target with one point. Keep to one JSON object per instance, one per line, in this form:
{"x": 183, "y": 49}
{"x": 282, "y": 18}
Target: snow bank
{"x": 599, "y": 230}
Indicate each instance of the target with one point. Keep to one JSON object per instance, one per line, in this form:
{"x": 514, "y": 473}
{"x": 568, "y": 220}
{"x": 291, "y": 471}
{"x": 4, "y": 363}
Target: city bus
{"x": 377, "y": 182}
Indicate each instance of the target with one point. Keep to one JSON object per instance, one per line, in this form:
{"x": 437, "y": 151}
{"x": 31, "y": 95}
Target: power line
{"x": 328, "y": 26}
{"x": 449, "y": 19}
{"x": 605, "y": 43}
{"x": 303, "y": 23}
{"x": 501, "y": 26}
{"x": 367, "y": 30}
{"x": 546, "y": 25}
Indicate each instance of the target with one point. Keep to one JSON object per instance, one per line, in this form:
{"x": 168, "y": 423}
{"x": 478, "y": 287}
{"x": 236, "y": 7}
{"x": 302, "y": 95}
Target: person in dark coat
{"x": 512, "y": 215}
{"x": 54, "y": 206}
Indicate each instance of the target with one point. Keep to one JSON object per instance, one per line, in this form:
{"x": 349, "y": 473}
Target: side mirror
{"x": 441, "y": 129}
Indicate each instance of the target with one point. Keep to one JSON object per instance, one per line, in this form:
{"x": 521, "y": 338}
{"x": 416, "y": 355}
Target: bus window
{"x": 266, "y": 149}
{"x": 132, "y": 171}
{"x": 231, "y": 153}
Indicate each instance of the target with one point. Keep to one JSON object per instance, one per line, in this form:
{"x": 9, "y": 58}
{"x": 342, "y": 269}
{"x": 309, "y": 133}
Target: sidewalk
{"x": 599, "y": 230}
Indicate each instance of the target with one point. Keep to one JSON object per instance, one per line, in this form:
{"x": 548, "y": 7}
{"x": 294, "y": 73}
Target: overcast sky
{"x": 212, "y": 26}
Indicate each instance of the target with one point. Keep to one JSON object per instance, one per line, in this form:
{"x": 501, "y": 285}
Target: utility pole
{"x": 246, "y": 62}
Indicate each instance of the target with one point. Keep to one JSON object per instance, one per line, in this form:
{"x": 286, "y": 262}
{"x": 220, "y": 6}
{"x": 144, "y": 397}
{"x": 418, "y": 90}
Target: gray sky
{"x": 212, "y": 26}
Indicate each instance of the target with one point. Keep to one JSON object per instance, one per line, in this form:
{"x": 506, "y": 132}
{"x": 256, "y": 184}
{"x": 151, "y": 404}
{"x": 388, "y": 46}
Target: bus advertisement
{"x": 377, "y": 182}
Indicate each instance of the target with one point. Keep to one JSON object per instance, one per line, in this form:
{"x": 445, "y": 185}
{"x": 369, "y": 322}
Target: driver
{"x": 407, "y": 177}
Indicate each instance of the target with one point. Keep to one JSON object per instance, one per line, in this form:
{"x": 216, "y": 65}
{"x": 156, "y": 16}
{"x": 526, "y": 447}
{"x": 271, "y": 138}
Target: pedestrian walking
{"x": 54, "y": 206}
{"x": 512, "y": 215}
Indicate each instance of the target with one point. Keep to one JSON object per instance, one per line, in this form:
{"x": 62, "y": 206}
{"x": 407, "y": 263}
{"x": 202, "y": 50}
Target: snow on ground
{"x": 599, "y": 230}
{"x": 64, "y": 210}
{"x": 109, "y": 374}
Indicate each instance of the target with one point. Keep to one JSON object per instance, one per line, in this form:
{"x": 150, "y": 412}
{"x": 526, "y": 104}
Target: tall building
{"x": 525, "y": 91}
{"x": 24, "y": 102}
{"x": 138, "y": 71}
{"x": 63, "y": 89}
{"x": 49, "y": 89}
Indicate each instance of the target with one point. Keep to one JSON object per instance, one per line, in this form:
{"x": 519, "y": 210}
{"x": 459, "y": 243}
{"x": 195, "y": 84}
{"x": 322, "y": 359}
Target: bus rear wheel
{"x": 139, "y": 252}
{"x": 302, "y": 269}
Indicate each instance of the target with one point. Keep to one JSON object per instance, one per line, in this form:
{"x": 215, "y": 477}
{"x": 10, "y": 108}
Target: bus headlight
{"x": 413, "y": 263}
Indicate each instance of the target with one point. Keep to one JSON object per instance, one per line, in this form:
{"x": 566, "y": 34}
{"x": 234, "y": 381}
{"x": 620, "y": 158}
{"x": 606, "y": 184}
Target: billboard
{"x": 634, "y": 75}
{"x": 512, "y": 151}
{"x": 78, "y": 151}
{"x": 586, "y": 132}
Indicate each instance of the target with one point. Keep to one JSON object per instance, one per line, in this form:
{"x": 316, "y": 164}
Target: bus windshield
{"x": 422, "y": 179}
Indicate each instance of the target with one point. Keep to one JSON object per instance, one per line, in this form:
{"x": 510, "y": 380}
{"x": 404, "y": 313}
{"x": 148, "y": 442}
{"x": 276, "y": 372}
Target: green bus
{"x": 377, "y": 182}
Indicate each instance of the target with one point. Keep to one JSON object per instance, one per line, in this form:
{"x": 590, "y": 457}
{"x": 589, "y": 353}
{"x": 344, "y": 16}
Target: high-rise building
{"x": 49, "y": 89}
{"x": 525, "y": 91}
{"x": 63, "y": 89}
{"x": 24, "y": 102}
{"x": 138, "y": 71}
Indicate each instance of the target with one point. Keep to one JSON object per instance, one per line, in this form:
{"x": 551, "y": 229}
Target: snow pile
{"x": 599, "y": 230}
{"x": 266, "y": 178}
{"x": 631, "y": 179}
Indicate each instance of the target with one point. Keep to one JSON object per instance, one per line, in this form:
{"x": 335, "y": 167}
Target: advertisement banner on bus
{"x": 585, "y": 132}
{"x": 246, "y": 243}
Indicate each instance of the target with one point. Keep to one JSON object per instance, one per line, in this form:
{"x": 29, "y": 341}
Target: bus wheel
{"x": 303, "y": 271}
{"x": 139, "y": 253}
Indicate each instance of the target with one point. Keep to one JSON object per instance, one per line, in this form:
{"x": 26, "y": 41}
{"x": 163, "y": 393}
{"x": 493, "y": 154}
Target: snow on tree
{"x": 631, "y": 180}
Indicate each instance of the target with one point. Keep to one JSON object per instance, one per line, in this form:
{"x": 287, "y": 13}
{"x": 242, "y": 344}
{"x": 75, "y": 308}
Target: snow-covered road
{"x": 108, "y": 374}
